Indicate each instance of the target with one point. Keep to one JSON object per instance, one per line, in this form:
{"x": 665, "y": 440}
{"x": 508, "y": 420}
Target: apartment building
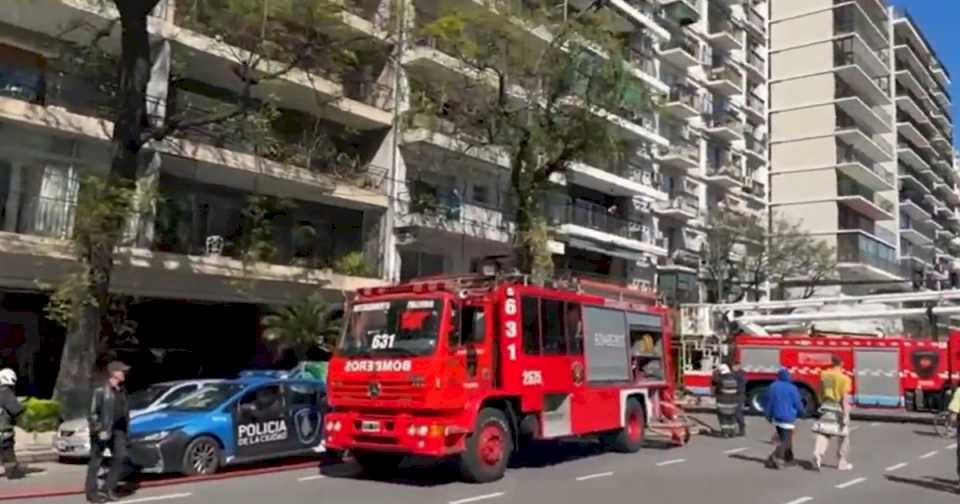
{"x": 183, "y": 259}
{"x": 638, "y": 220}
{"x": 861, "y": 139}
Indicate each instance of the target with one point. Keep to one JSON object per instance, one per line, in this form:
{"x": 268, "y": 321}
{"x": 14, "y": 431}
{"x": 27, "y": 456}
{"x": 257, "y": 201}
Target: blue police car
{"x": 255, "y": 417}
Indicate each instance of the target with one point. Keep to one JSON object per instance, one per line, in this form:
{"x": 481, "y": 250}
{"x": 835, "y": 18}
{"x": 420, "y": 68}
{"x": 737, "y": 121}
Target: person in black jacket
{"x": 741, "y": 398}
{"x": 109, "y": 419}
{"x": 725, "y": 391}
{"x": 10, "y": 409}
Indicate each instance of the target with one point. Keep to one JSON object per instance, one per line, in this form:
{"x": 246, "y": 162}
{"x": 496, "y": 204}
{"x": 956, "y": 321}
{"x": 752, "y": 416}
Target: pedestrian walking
{"x": 834, "y": 422}
{"x": 109, "y": 420}
{"x": 725, "y": 390}
{"x": 10, "y": 409}
{"x": 954, "y": 407}
{"x": 783, "y": 407}
{"x": 741, "y": 399}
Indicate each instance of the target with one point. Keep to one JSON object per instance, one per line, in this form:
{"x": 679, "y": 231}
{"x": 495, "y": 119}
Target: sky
{"x": 940, "y": 21}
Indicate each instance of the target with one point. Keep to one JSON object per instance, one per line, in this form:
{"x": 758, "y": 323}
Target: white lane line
{"x": 850, "y": 483}
{"x": 874, "y": 424}
{"x": 801, "y": 500}
{"x": 156, "y": 498}
{"x": 477, "y": 498}
{"x": 855, "y": 427}
{"x": 952, "y": 447}
{"x": 671, "y": 462}
{"x": 928, "y": 455}
{"x": 736, "y": 450}
{"x": 594, "y": 476}
{"x": 311, "y": 478}
{"x": 901, "y": 465}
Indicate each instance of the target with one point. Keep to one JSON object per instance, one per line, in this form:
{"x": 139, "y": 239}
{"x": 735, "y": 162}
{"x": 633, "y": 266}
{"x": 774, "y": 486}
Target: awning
{"x": 600, "y": 248}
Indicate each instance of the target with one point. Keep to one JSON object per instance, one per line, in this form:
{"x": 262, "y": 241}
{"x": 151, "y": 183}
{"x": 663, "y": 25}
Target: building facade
{"x": 862, "y": 140}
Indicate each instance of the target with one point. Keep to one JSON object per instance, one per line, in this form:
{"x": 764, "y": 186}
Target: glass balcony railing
{"x": 595, "y": 216}
{"x": 849, "y": 154}
{"x": 857, "y": 247}
{"x": 849, "y": 188}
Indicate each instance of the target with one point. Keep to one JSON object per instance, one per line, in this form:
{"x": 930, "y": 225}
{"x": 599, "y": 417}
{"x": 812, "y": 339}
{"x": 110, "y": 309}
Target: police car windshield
{"x": 148, "y": 396}
{"x": 207, "y": 398}
{"x": 392, "y": 328}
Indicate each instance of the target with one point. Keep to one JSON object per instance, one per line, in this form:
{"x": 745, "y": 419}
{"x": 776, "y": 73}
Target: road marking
{"x": 671, "y": 462}
{"x": 874, "y": 424}
{"x": 801, "y": 500}
{"x": 156, "y": 498}
{"x": 952, "y": 447}
{"x": 477, "y": 498}
{"x": 593, "y": 476}
{"x": 311, "y": 478}
{"x": 855, "y": 427}
{"x": 928, "y": 455}
{"x": 901, "y": 465}
{"x": 850, "y": 483}
{"x": 736, "y": 450}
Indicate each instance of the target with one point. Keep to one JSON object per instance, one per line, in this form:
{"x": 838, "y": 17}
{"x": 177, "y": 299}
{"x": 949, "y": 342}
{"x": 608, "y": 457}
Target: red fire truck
{"x": 473, "y": 367}
{"x": 892, "y": 371}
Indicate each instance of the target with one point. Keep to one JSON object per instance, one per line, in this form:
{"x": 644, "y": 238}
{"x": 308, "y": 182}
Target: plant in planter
{"x": 39, "y": 415}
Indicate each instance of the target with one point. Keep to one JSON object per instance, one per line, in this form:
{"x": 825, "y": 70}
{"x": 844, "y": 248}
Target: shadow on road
{"x": 926, "y": 433}
{"x": 930, "y": 483}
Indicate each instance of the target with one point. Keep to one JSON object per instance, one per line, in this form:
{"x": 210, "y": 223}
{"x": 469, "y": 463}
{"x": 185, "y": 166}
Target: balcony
{"x": 915, "y": 133}
{"x": 756, "y": 190}
{"x": 441, "y": 212}
{"x": 681, "y": 155}
{"x": 682, "y": 50}
{"x": 869, "y": 203}
{"x": 862, "y": 69}
{"x": 594, "y": 223}
{"x": 911, "y": 231}
{"x": 756, "y": 64}
{"x": 725, "y": 175}
{"x": 648, "y": 13}
{"x": 916, "y": 258}
{"x": 755, "y": 22}
{"x": 912, "y": 180}
{"x": 725, "y": 125}
{"x": 863, "y": 169}
{"x": 681, "y": 12}
{"x": 725, "y": 78}
{"x": 756, "y": 148}
{"x": 910, "y": 155}
{"x": 681, "y": 207}
{"x": 755, "y": 106}
{"x": 916, "y": 212}
{"x": 909, "y": 103}
{"x": 724, "y": 33}
{"x": 617, "y": 178}
{"x": 863, "y": 255}
{"x": 852, "y": 132}
{"x": 684, "y": 101}
{"x": 852, "y": 19}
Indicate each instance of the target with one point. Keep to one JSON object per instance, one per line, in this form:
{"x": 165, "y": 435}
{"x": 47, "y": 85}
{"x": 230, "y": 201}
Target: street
{"x": 893, "y": 463}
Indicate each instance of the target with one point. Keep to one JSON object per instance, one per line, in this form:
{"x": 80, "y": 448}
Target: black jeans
{"x": 784, "y": 450}
{"x": 741, "y": 422}
{"x": 118, "y": 461}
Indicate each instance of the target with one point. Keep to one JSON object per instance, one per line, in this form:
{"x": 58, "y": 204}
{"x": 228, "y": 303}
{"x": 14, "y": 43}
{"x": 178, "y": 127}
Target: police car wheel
{"x": 488, "y": 449}
{"x": 202, "y": 456}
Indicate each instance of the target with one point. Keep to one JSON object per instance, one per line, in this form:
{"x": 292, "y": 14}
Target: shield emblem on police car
{"x": 307, "y": 424}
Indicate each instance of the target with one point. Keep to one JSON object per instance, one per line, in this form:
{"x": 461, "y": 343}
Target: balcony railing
{"x": 907, "y": 222}
{"x": 850, "y": 188}
{"x": 725, "y": 119}
{"x": 685, "y": 42}
{"x": 687, "y": 95}
{"x": 844, "y": 53}
{"x": 849, "y": 154}
{"x": 755, "y": 102}
{"x": 755, "y": 20}
{"x": 683, "y": 202}
{"x": 682, "y": 147}
{"x": 756, "y": 145}
{"x": 51, "y": 217}
{"x": 594, "y": 216}
{"x": 723, "y": 69}
{"x": 857, "y": 247}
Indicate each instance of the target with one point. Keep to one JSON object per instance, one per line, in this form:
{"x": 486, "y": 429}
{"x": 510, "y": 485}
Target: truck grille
{"x": 390, "y": 390}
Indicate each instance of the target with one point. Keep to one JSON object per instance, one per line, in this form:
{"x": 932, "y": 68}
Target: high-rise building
{"x": 861, "y": 139}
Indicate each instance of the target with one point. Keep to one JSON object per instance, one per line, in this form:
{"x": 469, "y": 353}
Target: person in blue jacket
{"x": 783, "y": 406}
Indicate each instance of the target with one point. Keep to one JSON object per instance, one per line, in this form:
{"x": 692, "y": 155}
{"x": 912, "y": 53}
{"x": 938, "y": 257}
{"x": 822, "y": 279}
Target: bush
{"x": 353, "y": 264}
{"x": 39, "y": 415}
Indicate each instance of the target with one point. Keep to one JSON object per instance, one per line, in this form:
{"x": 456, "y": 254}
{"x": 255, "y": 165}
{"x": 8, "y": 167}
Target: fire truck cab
{"x": 473, "y": 367}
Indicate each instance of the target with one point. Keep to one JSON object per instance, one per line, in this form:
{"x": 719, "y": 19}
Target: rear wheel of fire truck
{"x": 756, "y": 396}
{"x": 629, "y": 439}
{"x": 488, "y": 448}
{"x": 378, "y": 464}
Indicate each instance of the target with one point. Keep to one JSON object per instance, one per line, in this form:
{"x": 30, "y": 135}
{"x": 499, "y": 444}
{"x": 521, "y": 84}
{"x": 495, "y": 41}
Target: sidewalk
{"x": 35, "y": 447}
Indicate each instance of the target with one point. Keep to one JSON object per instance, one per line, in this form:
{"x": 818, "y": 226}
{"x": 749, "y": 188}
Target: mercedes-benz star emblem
{"x": 374, "y": 389}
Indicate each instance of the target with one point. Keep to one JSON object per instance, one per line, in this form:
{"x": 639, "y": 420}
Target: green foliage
{"x": 307, "y": 324}
{"x": 39, "y": 415}
{"x": 353, "y": 264}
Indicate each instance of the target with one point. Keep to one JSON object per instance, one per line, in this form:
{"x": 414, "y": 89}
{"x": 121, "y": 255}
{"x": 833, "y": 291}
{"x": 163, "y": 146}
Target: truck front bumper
{"x": 415, "y": 435}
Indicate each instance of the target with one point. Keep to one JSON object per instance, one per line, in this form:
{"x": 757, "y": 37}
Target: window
{"x": 179, "y": 393}
{"x": 262, "y": 404}
{"x": 302, "y": 395}
{"x": 554, "y": 336}
{"x": 531, "y": 325}
{"x": 573, "y": 327}
{"x": 471, "y": 325}
{"x": 481, "y": 194}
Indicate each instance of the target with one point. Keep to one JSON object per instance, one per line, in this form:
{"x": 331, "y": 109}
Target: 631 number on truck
{"x": 474, "y": 367}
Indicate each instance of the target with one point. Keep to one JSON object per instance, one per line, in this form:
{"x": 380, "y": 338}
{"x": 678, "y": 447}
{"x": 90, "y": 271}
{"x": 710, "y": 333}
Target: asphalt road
{"x": 893, "y": 463}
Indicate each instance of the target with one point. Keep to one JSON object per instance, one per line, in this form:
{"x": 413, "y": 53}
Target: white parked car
{"x": 72, "y": 440}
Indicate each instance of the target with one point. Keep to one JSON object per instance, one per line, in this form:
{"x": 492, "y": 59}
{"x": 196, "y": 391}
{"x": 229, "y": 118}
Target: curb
{"x": 920, "y": 419}
{"x": 37, "y": 456}
{"x": 166, "y": 482}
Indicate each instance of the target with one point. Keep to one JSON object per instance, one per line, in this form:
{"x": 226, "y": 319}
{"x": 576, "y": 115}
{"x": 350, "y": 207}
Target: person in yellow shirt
{"x": 835, "y": 388}
{"x": 954, "y": 407}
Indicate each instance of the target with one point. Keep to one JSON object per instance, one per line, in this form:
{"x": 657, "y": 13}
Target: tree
{"x": 268, "y": 39}
{"x": 740, "y": 255}
{"x": 311, "y": 323}
{"x": 538, "y": 89}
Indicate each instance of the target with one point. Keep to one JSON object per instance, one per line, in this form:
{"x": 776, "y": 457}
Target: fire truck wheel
{"x": 488, "y": 448}
{"x": 755, "y": 398}
{"x": 629, "y": 439}
{"x": 377, "y": 464}
{"x": 810, "y": 406}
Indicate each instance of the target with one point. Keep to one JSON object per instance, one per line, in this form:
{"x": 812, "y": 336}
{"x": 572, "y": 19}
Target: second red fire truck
{"x": 474, "y": 367}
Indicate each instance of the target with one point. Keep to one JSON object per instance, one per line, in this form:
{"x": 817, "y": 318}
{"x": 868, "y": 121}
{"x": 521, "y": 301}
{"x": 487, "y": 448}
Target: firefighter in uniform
{"x": 726, "y": 391}
{"x": 10, "y": 409}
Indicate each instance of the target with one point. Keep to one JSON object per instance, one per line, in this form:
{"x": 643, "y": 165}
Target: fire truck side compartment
{"x": 605, "y": 345}
{"x": 877, "y": 377}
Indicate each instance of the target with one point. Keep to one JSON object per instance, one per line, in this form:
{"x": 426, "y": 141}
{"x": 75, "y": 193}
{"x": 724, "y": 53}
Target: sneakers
{"x": 816, "y": 464}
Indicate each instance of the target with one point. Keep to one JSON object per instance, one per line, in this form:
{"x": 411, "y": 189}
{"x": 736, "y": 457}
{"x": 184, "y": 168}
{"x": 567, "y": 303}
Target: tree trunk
{"x": 77, "y": 363}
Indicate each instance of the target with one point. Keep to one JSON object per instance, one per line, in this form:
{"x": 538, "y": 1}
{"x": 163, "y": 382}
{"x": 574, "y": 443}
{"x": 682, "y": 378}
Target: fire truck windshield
{"x": 394, "y": 328}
